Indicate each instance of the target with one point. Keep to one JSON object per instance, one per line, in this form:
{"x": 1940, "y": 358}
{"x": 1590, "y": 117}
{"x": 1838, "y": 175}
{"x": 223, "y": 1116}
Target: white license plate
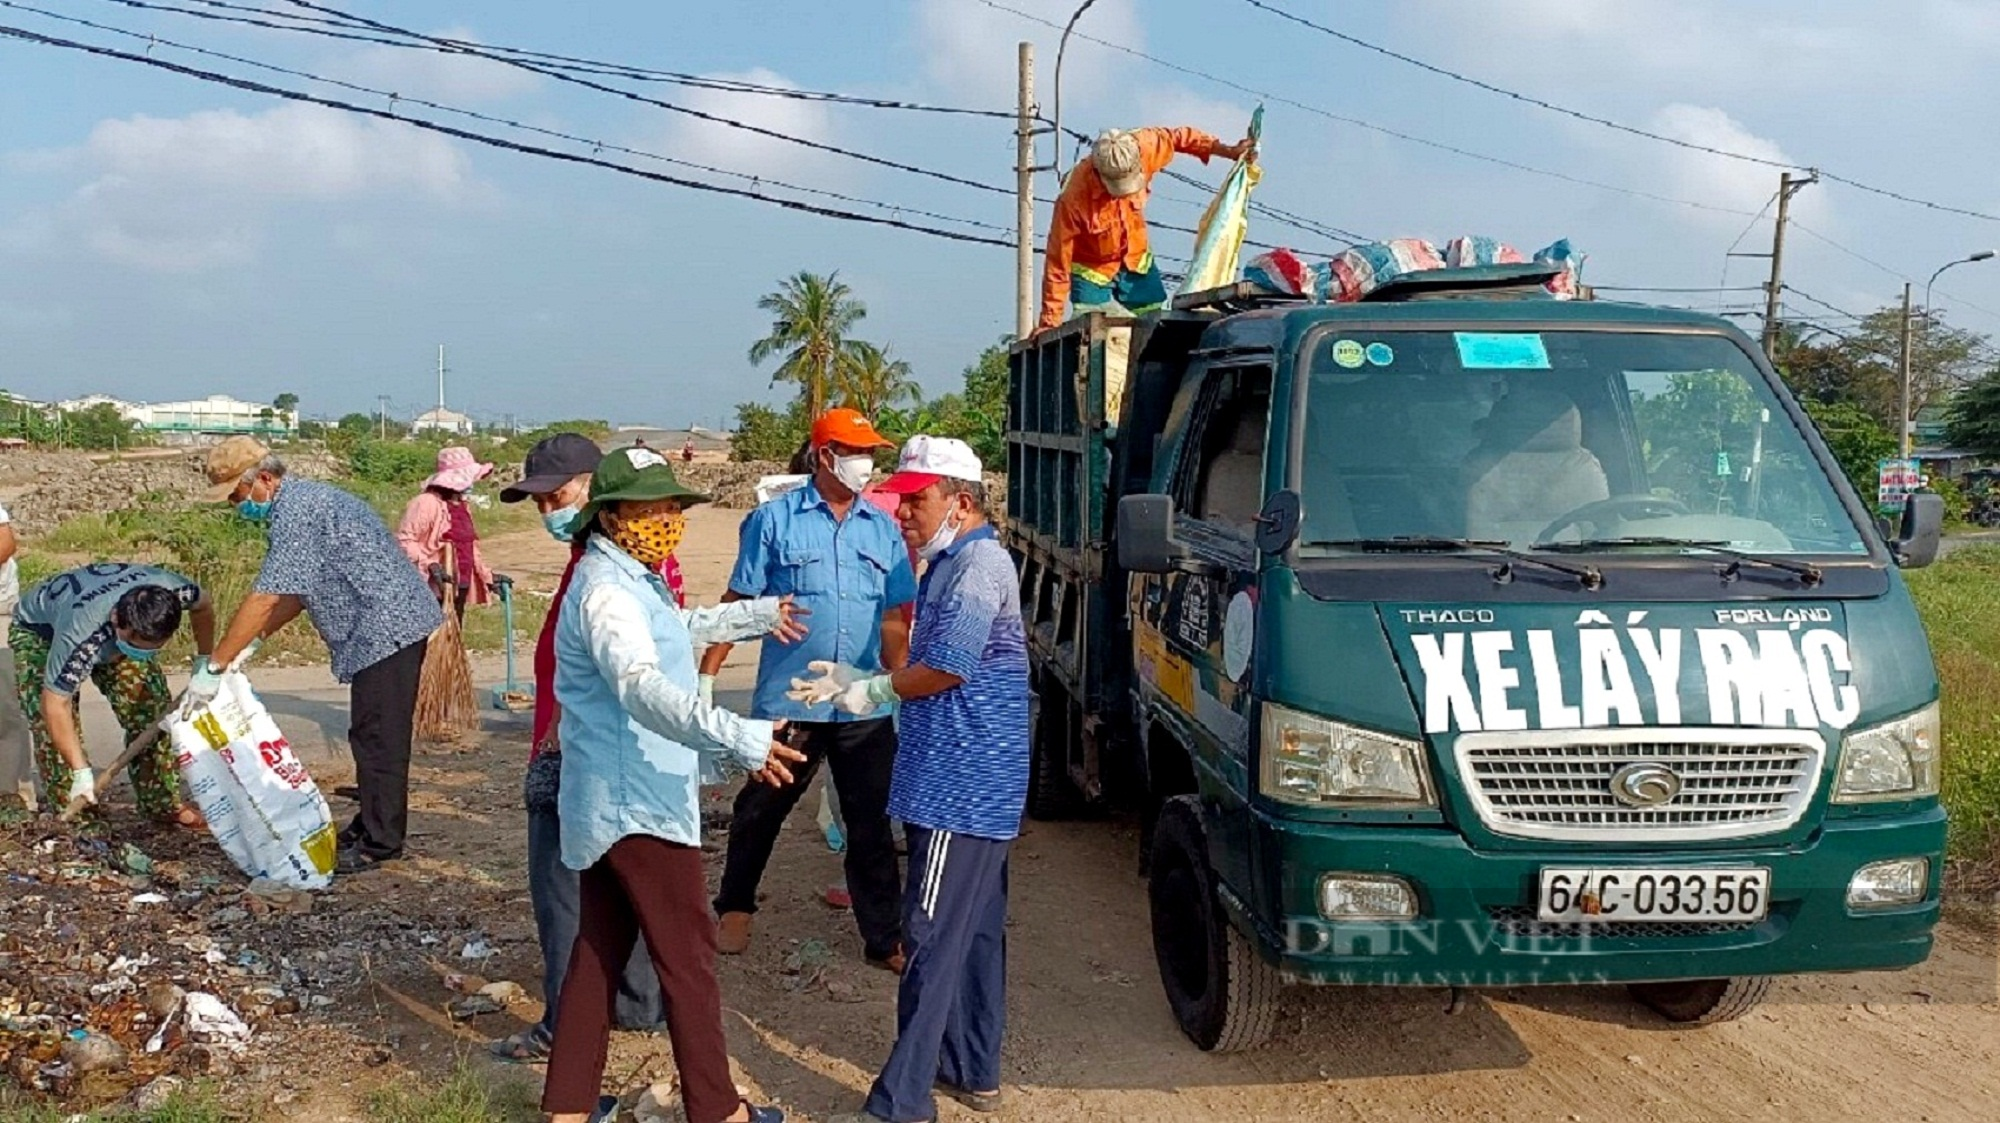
{"x": 1610, "y": 894}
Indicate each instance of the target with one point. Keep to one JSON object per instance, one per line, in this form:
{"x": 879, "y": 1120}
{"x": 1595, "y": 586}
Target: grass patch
{"x": 463, "y": 1097}
{"x": 196, "y": 1106}
{"x": 1960, "y": 601}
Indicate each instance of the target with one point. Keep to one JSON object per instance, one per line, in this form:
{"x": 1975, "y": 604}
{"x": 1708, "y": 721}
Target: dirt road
{"x": 1089, "y": 1034}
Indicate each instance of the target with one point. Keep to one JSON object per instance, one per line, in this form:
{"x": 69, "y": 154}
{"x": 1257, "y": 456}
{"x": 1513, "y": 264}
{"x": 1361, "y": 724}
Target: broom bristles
{"x": 447, "y": 707}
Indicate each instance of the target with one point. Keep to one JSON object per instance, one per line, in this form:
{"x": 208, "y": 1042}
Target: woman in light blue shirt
{"x": 638, "y": 741}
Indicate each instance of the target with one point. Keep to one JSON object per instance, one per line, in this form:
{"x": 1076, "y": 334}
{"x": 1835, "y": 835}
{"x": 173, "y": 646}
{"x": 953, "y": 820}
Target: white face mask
{"x": 940, "y": 542}
{"x": 854, "y": 472}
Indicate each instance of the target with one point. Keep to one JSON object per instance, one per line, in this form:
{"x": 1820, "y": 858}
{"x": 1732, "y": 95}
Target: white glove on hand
{"x": 833, "y": 681}
{"x": 705, "y": 687}
{"x": 83, "y": 786}
{"x": 861, "y": 698}
{"x": 203, "y": 686}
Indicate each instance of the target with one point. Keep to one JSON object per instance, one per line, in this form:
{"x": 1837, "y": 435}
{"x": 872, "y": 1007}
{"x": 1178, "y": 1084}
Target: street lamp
{"x": 1982, "y": 255}
{"x": 1904, "y": 413}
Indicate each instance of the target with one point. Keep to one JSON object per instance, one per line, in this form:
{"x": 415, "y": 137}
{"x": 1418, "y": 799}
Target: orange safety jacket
{"x": 1097, "y": 231}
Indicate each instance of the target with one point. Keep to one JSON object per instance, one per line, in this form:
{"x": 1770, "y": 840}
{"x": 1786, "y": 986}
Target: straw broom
{"x": 446, "y": 706}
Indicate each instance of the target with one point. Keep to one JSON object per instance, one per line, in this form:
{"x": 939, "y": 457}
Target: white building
{"x": 215, "y": 415}
{"x": 442, "y": 420}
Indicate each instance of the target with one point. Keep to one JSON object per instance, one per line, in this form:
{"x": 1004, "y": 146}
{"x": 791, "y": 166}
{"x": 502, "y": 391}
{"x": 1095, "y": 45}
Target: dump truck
{"x": 1464, "y": 636}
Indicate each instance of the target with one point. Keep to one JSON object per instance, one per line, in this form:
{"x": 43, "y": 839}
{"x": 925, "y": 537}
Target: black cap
{"x": 553, "y": 462}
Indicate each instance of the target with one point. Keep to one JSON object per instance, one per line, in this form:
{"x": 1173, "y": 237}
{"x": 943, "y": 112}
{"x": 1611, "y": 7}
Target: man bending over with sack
{"x": 105, "y": 622}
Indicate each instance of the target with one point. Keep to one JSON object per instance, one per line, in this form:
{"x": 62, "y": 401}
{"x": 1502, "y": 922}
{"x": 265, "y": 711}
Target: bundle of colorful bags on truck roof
{"x": 1359, "y": 270}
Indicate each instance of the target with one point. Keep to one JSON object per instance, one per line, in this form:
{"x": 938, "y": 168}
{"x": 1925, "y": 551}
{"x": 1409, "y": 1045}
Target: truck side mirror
{"x": 1146, "y": 540}
{"x": 1923, "y": 525}
{"x": 1278, "y": 525}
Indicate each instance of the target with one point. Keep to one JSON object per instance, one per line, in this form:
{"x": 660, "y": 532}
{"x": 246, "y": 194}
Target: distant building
{"x": 130, "y": 410}
{"x": 217, "y": 415}
{"x": 442, "y": 420}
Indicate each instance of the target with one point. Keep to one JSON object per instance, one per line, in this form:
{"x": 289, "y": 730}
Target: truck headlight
{"x": 1315, "y": 762}
{"x": 1894, "y": 760}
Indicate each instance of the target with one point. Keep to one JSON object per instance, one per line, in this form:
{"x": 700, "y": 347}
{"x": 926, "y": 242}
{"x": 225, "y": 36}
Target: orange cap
{"x": 847, "y": 427}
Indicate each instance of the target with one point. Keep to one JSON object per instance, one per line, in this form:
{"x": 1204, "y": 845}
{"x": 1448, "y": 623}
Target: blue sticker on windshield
{"x": 1380, "y": 354}
{"x": 1478, "y": 350}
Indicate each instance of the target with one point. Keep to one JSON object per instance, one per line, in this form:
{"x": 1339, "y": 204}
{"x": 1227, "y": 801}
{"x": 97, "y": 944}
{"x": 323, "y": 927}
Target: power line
{"x": 595, "y": 145}
{"x": 1838, "y": 311}
{"x": 561, "y": 76}
{"x": 1371, "y": 126}
{"x": 492, "y": 141}
{"x": 320, "y": 26}
{"x": 1606, "y": 122}
{"x": 1660, "y": 288}
{"x": 1891, "y": 271}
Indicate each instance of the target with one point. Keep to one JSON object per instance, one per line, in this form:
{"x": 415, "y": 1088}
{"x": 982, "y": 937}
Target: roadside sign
{"x": 1896, "y": 481}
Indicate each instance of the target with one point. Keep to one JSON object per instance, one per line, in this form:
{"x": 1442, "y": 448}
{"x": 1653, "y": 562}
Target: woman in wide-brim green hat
{"x": 637, "y": 743}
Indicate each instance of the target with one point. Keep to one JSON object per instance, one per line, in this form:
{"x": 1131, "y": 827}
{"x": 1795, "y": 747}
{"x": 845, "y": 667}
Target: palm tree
{"x": 871, "y": 381}
{"x": 810, "y": 317}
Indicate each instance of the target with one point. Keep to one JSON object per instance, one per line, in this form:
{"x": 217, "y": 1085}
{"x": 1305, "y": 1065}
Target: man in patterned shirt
{"x": 960, "y": 782}
{"x": 332, "y": 557}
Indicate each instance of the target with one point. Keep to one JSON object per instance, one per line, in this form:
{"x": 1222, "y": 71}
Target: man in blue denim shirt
{"x": 844, "y": 560}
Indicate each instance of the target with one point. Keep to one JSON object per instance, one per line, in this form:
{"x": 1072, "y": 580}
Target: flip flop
{"x": 527, "y": 1047}
{"x": 982, "y": 1102}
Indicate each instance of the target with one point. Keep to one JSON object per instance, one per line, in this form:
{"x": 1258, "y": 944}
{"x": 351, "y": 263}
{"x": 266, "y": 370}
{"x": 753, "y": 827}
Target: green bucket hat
{"x": 632, "y": 474}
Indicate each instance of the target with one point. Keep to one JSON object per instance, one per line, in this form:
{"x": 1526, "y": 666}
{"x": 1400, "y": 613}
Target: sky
{"x": 165, "y": 238}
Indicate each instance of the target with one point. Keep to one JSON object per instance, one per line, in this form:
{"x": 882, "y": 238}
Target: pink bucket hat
{"x": 457, "y": 470}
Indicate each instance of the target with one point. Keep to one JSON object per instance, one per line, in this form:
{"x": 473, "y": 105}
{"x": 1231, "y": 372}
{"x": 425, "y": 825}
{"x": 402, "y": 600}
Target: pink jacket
{"x": 422, "y": 536}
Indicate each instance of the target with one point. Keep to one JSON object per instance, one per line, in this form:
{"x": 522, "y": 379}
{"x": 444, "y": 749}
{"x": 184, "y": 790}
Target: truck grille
{"x": 1558, "y": 784}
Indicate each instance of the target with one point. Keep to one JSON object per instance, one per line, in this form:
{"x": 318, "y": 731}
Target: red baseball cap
{"x": 926, "y": 460}
{"x": 847, "y": 427}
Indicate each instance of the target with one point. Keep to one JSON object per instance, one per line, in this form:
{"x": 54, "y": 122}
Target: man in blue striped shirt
{"x": 960, "y": 782}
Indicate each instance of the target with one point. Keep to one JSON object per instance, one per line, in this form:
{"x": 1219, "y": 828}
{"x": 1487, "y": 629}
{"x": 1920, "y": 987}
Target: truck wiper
{"x": 1590, "y": 577}
{"x": 1807, "y": 573}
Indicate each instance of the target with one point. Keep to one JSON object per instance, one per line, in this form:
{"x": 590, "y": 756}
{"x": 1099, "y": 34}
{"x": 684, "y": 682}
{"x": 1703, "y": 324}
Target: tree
{"x": 763, "y": 433}
{"x": 975, "y": 414}
{"x": 1974, "y": 421}
{"x": 357, "y": 423}
{"x": 871, "y": 381}
{"x": 810, "y": 318}
{"x": 101, "y": 426}
{"x": 1856, "y": 439}
{"x": 1864, "y": 366}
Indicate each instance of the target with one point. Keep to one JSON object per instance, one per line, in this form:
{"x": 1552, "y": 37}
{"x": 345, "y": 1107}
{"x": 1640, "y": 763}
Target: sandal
{"x": 528, "y": 1047}
{"x": 983, "y": 1102}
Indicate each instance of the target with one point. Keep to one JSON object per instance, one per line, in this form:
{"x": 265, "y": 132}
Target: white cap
{"x": 1116, "y": 157}
{"x": 926, "y": 460}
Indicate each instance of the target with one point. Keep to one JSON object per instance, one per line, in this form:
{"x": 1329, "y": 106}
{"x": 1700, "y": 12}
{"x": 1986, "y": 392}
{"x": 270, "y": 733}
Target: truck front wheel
{"x": 1703, "y": 1002}
{"x": 1223, "y": 994}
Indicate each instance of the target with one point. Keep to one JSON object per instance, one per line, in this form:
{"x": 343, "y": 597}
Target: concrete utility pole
{"x": 1024, "y": 194}
{"x": 1774, "y": 289}
{"x": 440, "y": 382}
{"x": 382, "y": 416}
{"x": 1903, "y": 413}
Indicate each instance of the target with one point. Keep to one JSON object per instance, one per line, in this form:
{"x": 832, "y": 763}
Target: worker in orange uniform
{"x": 1098, "y": 252}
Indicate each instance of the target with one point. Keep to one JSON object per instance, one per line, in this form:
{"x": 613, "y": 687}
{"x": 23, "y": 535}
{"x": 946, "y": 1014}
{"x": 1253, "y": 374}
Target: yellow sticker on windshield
{"x": 1348, "y": 353}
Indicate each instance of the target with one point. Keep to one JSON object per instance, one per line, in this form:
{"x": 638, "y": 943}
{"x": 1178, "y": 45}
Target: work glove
{"x": 705, "y": 687}
{"x": 846, "y": 688}
{"x": 202, "y": 688}
{"x": 82, "y": 786}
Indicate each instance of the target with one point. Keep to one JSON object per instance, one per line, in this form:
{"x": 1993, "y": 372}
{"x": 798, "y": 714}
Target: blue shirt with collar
{"x": 847, "y": 572}
{"x": 962, "y": 755}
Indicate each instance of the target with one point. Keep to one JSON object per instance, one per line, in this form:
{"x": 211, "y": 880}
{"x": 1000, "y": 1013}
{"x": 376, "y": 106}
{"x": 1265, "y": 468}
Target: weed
{"x": 195, "y": 1106}
{"x": 463, "y": 1097}
{"x": 1960, "y": 601}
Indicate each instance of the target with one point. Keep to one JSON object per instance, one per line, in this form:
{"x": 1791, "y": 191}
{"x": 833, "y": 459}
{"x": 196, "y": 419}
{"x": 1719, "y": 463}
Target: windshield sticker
{"x": 1783, "y": 677}
{"x": 1380, "y": 354}
{"x": 1478, "y": 350}
{"x": 1347, "y": 353}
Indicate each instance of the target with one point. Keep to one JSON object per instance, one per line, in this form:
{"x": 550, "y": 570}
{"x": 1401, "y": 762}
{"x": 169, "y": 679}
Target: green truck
{"x": 1464, "y": 636}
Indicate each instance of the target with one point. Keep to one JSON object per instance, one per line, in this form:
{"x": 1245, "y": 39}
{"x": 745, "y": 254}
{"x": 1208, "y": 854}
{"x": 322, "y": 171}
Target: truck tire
{"x": 1703, "y": 1002}
{"x": 1051, "y": 796}
{"x": 1223, "y": 995}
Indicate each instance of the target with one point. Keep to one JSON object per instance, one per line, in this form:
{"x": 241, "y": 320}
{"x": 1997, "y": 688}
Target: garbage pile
{"x": 127, "y": 972}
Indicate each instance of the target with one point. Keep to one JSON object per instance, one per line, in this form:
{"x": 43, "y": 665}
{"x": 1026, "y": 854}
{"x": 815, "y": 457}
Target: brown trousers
{"x": 650, "y": 885}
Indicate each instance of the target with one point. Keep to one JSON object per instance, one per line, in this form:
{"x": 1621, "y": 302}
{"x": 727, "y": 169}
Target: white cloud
{"x": 435, "y": 76}
{"x": 193, "y": 193}
{"x": 1716, "y": 180}
{"x": 970, "y": 49}
{"x": 739, "y": 150}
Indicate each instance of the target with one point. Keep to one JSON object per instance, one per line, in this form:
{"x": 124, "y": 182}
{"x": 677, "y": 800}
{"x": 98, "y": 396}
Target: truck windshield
{"x": 1532, "y": 438}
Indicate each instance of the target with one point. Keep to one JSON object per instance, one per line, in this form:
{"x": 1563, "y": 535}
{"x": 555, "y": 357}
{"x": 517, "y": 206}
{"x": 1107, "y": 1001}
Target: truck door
{"x": 1216, "y": 475}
